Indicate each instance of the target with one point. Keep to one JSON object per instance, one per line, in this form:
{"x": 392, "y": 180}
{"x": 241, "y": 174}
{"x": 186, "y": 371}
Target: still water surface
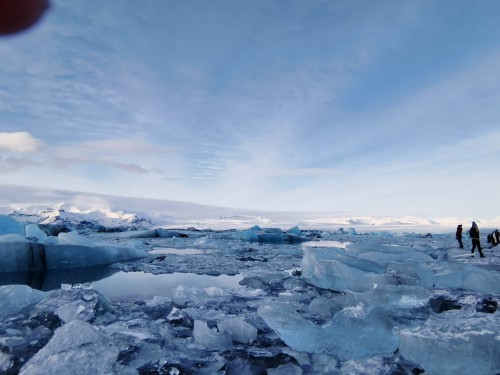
{"x": 140, "y": 285}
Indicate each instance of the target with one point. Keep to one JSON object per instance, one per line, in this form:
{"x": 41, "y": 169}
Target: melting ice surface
{"x": 259, "y": 301}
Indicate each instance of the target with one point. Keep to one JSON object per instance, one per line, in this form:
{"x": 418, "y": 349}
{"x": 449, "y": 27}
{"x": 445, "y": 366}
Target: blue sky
{"x": 362, "y": 107}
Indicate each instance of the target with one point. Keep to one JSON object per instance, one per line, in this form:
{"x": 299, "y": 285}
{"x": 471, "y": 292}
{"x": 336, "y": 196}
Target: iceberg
{"x": 210, "y": 339}
{"x": 333, "y": 269}
{"x": 33, "y": 231}
{"x": 457, "y": 276}
{"x": 73, "y": 238}
{"x": 354, "y": 332}
{"x": 272, "y": 235}
{"x": 9, "y": 225}
{"x": 239, "y": 330}
{"x": 77, "y": 302}
{"x": 454, "y": 342}
{"x": 75, "y": 348}
{"x": 73, "y": 256}
{"x": 155, "y": 233}
{"x": 16, "y": 297}
{"x": 19, "y": 254}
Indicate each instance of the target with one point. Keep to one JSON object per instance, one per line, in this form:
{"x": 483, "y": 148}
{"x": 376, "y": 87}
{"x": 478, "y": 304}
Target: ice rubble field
{"x": 307, "y": 302}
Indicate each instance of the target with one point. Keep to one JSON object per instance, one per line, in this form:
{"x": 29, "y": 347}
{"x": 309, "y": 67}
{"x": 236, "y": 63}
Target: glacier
{"x": 246, "y": 301}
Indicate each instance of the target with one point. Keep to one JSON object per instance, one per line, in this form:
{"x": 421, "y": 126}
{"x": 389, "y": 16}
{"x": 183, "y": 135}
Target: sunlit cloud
{"x": 21, "y": 142}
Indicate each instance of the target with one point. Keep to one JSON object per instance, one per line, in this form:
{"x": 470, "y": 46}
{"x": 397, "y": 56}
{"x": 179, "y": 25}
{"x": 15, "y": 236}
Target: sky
{"x": 362, "y": 107}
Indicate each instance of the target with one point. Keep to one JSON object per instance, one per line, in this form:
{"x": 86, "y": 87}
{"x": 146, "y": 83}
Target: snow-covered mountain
{"x": 381, "y": 223}
{"x": 69, "y": 216}
{"x": 104, "y": 212}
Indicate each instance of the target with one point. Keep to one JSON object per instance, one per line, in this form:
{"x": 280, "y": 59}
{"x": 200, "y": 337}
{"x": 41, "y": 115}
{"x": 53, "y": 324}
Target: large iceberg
{"x": 354, "y": 332}
{"x": 256, "y": 234}
{"x": 454, "y": 342}
{"x": 19, "y": 254}
{"x": 9, "y": 225}
{"x": 334, "y": 269}
{"x": 457, "y": 276}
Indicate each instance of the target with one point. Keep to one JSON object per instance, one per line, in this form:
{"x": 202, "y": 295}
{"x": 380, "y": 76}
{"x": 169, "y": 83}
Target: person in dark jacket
{"x": 474, "y": 235}
{"x": 459, "y": 236}
{"x": 494, "y": 238}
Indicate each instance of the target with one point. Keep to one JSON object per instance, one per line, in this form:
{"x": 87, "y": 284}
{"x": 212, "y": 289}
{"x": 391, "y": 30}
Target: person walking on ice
{"x": 459, "y": 236}
{"x": 474, "y": 235}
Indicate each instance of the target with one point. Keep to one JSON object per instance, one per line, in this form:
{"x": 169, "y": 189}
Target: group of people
{"x": 493, "y": 238}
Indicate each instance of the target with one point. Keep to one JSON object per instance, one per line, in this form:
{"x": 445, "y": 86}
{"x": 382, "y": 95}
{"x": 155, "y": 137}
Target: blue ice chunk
{"x": 356, "y": 332}
{"x": 9, "y": 225}
{"x": 457, "y": 276}
{"x": 209, "y": 338}
{"x": 318, "y": 254}
{"x": 73, "y": 238}
{"x": 295, "y": 231}
{"x": 454, "y": 342}
{"x": 19, "y": 254}
{"x": 33, "y": 231}
{"x": 272, "y": 236}
{"x": 75, "y": 348}
{"x": 154, "y": 233}
{"x": 249, "y": 235}
{"x": 151, "y": 233}
{"x": 333, "y": 269}
{"x": 374, "y": 246}
{"x": 403, "y": 257}
{"x": 15, "y": 297}
{"x": 166, "y": 233}
{"x": 273, "y": 230}
{"x": 72, "y": 256}
{"x": 238, "y": 329}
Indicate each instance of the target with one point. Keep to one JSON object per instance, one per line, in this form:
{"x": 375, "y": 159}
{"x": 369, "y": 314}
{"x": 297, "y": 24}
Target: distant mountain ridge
{"x": 68, "y": 216}
{"x": 85, "y": 211}
{"x": 371, "y": 221}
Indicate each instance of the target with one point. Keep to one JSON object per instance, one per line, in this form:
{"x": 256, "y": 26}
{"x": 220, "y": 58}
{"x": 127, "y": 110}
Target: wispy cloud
{"x": 14, "y": 164}
{"x": 324, "y": 104}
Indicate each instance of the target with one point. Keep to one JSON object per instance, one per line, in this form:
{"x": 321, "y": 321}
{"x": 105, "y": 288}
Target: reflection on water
{"x": 339, "y": 244}
{"x": 52, "y": 279}
{"x": 173, "y": 251}
{"x": 140, "y": 285}
{"x": 118, "y": 285}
